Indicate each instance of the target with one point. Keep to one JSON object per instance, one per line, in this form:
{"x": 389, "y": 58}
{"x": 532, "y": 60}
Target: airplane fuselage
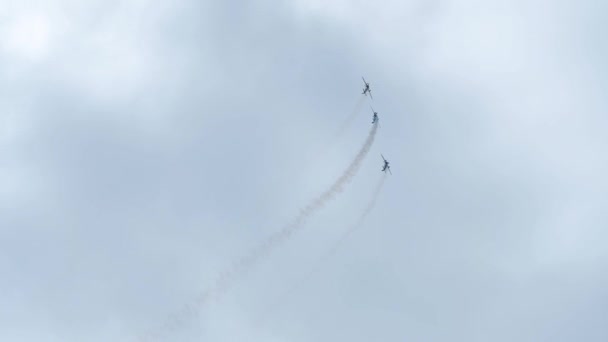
{"x": 366, "y": 89}
{"x": 386, "y": 167}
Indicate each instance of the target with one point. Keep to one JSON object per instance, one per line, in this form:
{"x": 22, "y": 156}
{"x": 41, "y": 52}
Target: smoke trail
{"x": 351, "y": 118}
{"x": 245, "y": 263}
{"x": 370, "y": 206}
{"x": 336, "y": 246}
{"x": 322, "y": 151}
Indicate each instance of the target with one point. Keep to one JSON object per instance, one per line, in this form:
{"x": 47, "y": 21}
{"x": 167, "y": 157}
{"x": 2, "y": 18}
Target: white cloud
{"x": 28, "y": 36}
{"x": 498, "y": 153}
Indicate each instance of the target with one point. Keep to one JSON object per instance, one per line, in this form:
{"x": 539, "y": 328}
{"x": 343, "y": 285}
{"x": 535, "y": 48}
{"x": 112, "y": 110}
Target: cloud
{"x": 28, "y": 37}
{"x": 125, "y": 129}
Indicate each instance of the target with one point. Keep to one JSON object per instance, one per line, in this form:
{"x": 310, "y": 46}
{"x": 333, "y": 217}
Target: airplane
{"x": 367, "y": 90}
{"x": 386, "y": 166}
{"x": 375, "y": 118}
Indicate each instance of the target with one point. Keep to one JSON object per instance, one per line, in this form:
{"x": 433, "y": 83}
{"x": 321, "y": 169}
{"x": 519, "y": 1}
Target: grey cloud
{"x": 154, "y": 143}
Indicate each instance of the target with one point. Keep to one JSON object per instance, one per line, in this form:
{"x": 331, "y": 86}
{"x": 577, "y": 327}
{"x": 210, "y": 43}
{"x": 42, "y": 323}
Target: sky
{"x": 147, "y": 146}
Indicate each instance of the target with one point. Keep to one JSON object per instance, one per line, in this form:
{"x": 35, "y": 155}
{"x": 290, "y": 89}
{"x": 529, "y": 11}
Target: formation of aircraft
{"x": 375, "y": 119}
{"x": 367, "y": 89}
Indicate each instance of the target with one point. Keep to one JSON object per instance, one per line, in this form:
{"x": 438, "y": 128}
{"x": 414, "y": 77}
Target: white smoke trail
{"x": 336, "y": 246}
{"x": 245, "y": 263}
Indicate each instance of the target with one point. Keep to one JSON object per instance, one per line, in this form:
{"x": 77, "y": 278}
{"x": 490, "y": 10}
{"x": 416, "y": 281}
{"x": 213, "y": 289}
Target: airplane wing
{"x": 382, "y": 157}
{"x": 370, "y": 94}
{"x": 389, "y": 170}
{"x": 363, "y": 80}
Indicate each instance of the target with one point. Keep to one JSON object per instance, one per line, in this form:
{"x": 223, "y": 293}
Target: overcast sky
{"x": 147, "y": 145}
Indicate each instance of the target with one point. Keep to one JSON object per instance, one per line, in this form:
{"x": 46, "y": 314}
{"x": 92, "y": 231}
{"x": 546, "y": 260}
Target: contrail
{"x": 245, "y": 263}
{"x": 336, "y": 246}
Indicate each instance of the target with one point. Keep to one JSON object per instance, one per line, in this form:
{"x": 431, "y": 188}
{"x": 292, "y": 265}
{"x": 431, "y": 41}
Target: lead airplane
{"x": 375, "y": 118}
{"x": 386, "y": 167}
{"x": 367, "y": 89}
